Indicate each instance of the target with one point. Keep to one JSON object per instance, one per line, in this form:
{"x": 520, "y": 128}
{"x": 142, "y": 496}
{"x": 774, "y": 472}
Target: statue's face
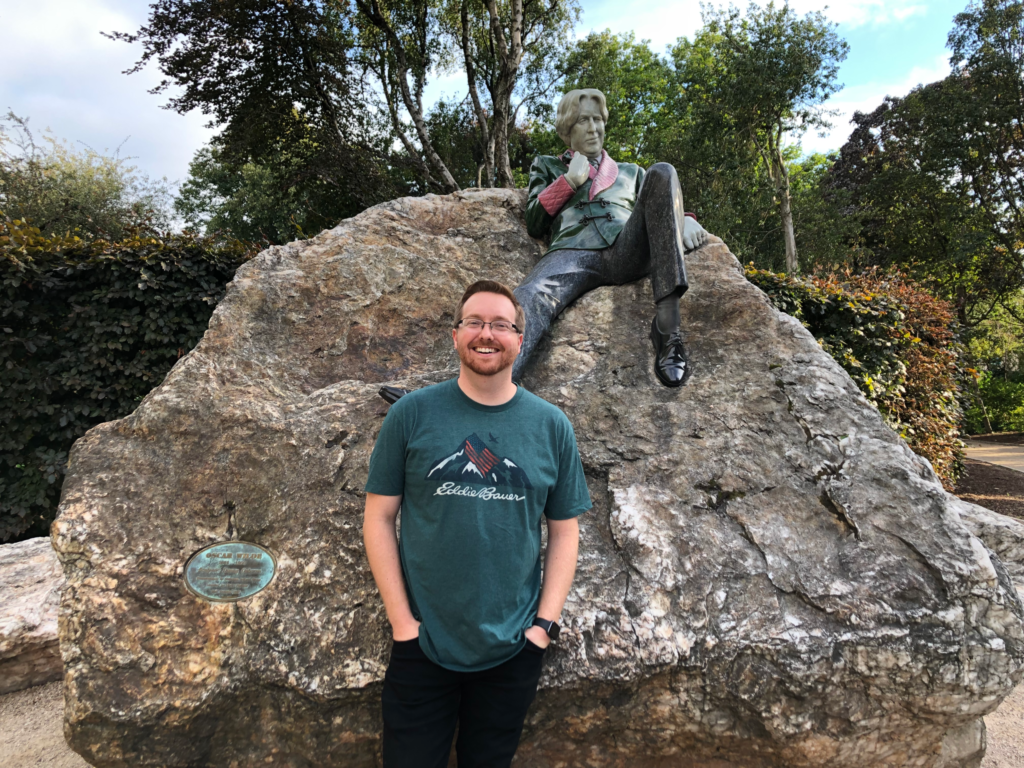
{"x": 587, "y": 135}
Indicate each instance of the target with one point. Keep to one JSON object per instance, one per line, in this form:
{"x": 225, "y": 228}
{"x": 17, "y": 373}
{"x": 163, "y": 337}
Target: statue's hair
{"x": 569, "y": 111}
{"x": 492, "y": 286}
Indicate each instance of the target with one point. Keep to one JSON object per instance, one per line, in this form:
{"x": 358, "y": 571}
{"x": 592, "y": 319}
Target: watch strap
{"x": 550, "y": 627}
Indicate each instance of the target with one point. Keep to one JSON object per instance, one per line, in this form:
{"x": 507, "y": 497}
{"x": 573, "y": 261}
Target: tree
{"x": 61, "y": 189}
{"x": 761, "y": 79}
{"x": 401, "y": 44}
{"x": 258, "y": 67}
{"x": 916, "y": 206}
{"x": 509, "y": 49}
{"x": 985, "y": 106}
{"x": 275, "y": 198}
{"x": 936, "y": 175}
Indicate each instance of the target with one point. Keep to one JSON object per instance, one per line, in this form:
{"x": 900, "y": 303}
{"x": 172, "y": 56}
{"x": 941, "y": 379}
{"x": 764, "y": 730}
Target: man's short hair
{"x": 492, "y": 286}
{"x": 569, "y": 111}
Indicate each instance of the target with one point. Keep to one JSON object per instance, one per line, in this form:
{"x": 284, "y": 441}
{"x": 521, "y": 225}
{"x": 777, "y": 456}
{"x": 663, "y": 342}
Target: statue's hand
{"x": 694, "y": 235}
{"x": 579, "y": 170}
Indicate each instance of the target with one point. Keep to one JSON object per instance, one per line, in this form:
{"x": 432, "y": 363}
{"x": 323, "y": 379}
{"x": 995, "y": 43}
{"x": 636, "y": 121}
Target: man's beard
{"x": 491, "y": 365}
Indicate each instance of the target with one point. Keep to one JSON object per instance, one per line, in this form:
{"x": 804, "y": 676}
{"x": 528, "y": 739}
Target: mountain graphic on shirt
{"x": 474, "y": 462}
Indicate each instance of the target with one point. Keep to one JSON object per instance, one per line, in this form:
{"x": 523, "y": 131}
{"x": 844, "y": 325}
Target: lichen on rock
{"x": 769, "y": 576}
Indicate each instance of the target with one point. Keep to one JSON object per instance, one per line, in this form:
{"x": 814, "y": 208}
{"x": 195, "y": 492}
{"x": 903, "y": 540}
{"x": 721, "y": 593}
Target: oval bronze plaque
{"x": 230, "y": 571}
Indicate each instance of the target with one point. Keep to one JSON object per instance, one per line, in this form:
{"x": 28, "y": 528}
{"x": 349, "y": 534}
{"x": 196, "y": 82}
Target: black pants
{"x": 651, "y": 243}
{"x": 422, "y": 703}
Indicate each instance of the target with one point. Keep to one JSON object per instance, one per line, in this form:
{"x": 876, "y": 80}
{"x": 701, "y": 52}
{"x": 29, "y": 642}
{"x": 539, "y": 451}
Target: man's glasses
{"x": 499, "y": 327}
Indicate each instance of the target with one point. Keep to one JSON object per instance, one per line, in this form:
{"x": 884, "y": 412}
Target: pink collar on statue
{"x": 606, "y": 174}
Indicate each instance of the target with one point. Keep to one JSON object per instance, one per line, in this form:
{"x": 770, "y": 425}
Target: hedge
{"x": 86, "y": 330}
{"x": 897, "y": 342}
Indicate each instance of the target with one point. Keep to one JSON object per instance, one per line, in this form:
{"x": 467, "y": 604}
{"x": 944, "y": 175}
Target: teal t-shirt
{"x": 475, "y": 481}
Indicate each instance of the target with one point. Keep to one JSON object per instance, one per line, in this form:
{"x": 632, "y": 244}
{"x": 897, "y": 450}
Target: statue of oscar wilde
{"x": 610, "y": 224}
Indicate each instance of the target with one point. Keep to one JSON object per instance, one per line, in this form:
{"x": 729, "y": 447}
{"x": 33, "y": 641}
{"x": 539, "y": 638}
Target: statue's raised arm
{"x": 609, "y": 224}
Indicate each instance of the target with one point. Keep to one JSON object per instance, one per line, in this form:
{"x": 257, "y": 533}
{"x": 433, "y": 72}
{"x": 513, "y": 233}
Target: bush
{"x": 60, "y": 188}
{"x": 1004, "y": 405}
{"x": 897, "y": 342}
{"x": 86, "y": 330}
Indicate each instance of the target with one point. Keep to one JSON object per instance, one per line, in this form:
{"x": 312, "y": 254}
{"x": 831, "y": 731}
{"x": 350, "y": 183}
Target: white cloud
{"x": 857, "y": 13}
{"x": 62, "y": 74}
{"x": 664, "y": 21}
{"x": 866, "y": 97}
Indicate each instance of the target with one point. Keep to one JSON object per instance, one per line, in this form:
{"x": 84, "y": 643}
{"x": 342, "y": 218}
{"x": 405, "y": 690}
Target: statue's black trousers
{"x": 651, "y": 243}
{"x": 422, "y": 702}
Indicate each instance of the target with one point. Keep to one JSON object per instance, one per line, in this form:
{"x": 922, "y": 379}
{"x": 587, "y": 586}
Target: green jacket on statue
{"x": 582, "y": 221}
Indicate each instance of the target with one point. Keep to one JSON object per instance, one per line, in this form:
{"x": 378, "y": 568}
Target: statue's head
{"x": 580, "y": 120}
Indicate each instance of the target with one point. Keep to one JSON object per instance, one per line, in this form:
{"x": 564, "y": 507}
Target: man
{"x": 609, "y": 224}
{"x": 474, "y": 463}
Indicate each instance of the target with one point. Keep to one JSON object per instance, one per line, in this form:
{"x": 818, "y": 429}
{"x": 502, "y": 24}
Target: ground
{"x": 989, "y": 485}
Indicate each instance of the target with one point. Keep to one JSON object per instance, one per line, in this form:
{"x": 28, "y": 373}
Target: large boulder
{"x": 769, "y": 576}
{"x": 1002, "y": 534}
{"x": 30, "y": 581}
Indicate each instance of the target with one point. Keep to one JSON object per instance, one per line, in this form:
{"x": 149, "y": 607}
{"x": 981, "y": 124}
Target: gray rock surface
{"x": 769, "y": 576}
{"x": 30, "y": 581}
{"x": 1002, "y": 534}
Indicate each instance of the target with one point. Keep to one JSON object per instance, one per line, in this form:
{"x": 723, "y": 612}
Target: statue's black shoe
{"x": 392, "y": 395}
{"x": 669, "y": 356}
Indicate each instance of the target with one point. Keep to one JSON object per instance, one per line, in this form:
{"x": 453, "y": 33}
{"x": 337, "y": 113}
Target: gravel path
{"x": 31, "y": 734}
{"x": 1005, "y": 740}
{"x": 1011, "y": 456}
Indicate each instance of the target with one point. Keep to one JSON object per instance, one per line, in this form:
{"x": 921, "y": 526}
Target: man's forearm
{"x": 382, "y": 552}
{"x": 559, "y": 567}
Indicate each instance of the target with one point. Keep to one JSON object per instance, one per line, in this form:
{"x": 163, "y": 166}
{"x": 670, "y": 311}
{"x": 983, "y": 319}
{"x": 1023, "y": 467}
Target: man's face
{"x": 485, "y": 352}
{"x": 587, "y": 135}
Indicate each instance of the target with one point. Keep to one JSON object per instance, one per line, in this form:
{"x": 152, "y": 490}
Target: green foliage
{"x": 291, "y": 191}
{"x": 69, "y": 190}
{"x": 997, "y": 352}
{"x": 827, "y": 227}
{"x": 1004, "y": 406}
{"x": 935, "y": 176}
{"x": 298, "y": 123}
{"x": 87, "y": 328}
{"x": 897, "y": 342}
{"x": 454, "y": 130}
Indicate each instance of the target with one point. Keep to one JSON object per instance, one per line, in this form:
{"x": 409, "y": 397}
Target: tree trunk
{"x": 501, "y": 161}
{"x": 486, "y": 140}
{"x": 372, "y": 13}
{"x": 771, "y": 154}
{"x": 981, "y": 402}
{"x": 410, "y": 148}
{"x": 786, "y": 210}
{"x": 510, "y": 54}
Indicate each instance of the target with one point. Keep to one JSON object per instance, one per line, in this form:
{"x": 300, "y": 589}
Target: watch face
{"x": 553, "y": 631}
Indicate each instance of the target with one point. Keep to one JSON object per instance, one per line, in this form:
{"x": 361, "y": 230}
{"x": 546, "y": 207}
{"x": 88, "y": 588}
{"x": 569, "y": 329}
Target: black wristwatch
{"x": 548, "y": 626}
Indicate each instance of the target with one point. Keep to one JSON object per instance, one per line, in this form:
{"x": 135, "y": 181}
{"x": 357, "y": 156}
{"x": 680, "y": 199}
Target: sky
{"x": 57, "y": 70}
